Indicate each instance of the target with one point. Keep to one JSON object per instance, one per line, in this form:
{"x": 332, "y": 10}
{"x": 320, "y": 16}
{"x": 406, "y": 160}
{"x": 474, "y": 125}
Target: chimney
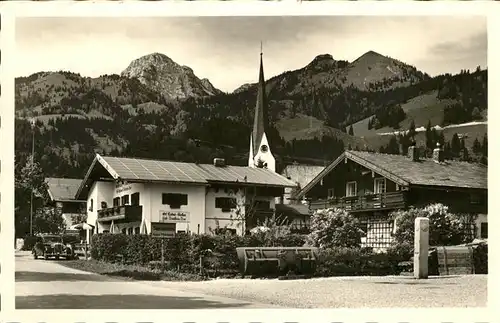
{"x": 219, "y": 162}
{"x": 437, "y": 154}
{"x": 413, "y": 153}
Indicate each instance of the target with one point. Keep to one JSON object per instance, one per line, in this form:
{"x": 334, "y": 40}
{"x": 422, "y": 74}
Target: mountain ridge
{"x": 124, "y": 115}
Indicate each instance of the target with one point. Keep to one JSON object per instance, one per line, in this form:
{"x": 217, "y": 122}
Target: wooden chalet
{"x": 371, "y": 185}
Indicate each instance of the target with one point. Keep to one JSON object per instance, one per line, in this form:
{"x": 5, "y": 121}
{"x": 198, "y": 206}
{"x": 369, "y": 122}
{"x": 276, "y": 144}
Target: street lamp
{"x": 33, "y": 122}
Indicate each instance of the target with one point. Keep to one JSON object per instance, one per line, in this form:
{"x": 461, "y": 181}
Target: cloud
{"x": 225, "y": 49}
{"x": 473, "y": 45}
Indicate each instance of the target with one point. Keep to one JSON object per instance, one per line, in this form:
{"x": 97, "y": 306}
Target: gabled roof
{"x": 62, "y": 189}
{"x": 405, "y": 172}
{"x": 302, "y": 174}
{"x": 148, "y": 170}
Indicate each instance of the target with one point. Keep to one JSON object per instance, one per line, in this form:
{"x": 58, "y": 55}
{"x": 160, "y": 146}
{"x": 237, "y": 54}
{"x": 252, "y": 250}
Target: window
{"x": 351, "y": 189}
{"x": 484, "y": 230}
{"x": 130, "y": 231}
{"x": 125, "y": 199}
{"x": 135, "y": 200}
{"x": 174, "y": 200}
{"x": 476, "y": 198}
{"x": 104, "y": 205}
{"x": 116, "y": 201}
{"x": 379, "y": 185}
{"x": 124, "y": 231}
{"x": 137, "y": 230}
{"x": 91, "y": 207}
{"x": 331, "y": 193}
{"x": 225, "y": 203}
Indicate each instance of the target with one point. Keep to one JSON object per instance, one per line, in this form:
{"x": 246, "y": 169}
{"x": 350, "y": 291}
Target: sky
{"x": 226, "y": 49}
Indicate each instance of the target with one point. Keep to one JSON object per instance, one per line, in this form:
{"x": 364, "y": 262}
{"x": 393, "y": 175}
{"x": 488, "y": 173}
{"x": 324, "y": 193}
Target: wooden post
{"x": 421, "y": 252}
{"x": 162, "y": 254}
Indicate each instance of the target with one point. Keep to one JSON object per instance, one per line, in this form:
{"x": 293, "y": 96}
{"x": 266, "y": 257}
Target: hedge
{"x": 183, "y": 251}
{"x": 360, "y": 262}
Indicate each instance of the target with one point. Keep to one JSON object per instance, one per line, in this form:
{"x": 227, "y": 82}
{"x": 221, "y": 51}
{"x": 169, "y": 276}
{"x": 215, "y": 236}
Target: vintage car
{"x": 48, "y": 246}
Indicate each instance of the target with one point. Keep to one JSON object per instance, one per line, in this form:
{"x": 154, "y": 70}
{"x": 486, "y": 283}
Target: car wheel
{"x": 35, "y": 256}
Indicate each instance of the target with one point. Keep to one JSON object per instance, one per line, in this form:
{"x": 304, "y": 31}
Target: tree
{"x": 411, "y": 130}
{"x": 455, "y": 145}
{"x": 29, "y": 179}
{"x": 476, "y": 146}
{"x": 429, "y": 143}
{"x": 484, "y": 146}
{"x": 48, "y": 220}
{"x": 351, "y": 131}
{"x": 334, "y": 228}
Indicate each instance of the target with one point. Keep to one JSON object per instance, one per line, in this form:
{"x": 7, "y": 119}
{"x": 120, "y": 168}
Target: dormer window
{"x": 264, "y": 148}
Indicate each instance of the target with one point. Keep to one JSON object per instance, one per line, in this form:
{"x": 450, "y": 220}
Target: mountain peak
{"x": 371, "y": 57}
{"x": 161, "y": 73}
{"x": 322, "y": 62}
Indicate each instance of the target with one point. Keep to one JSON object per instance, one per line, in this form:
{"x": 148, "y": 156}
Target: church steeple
{"x": 261, "y": 116}
{"x": 259, "y": 145}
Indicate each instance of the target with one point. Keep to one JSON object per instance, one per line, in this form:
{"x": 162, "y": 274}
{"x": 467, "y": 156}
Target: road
{"x": 44, "y": 284}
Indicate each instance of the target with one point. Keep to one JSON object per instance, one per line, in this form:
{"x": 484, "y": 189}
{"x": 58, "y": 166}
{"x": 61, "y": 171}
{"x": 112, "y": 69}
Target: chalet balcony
{"x": 372, "y": 202}
{"x": 124, "y": 213}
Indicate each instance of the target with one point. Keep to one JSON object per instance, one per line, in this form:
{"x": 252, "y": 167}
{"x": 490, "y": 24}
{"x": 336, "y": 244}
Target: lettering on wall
{"x": 174, "y": 217}
{"x": 123, "y": 188}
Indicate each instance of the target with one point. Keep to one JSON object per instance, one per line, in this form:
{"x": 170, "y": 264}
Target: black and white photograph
{"x": 250, "y": 162}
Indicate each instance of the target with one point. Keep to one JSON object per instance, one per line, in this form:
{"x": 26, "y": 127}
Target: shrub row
{"x": 361, "y": 261}
{"x": 183, "y": 251}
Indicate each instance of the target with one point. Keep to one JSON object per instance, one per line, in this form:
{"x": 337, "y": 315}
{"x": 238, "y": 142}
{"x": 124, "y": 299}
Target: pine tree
{"x": 411, "y": 130}
{"x": 428, "y": 136}
{"x": 484, "y": 146}
{"x": 476, "y": 146}
{"x": 455, "y": 145}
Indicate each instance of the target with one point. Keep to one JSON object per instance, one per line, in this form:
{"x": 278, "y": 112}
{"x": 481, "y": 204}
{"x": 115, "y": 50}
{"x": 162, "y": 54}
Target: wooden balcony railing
{"x": 391, "y": 200}
{"x": 124, "y": 212}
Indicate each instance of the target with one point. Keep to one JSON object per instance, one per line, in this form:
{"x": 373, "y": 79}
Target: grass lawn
{"x": 134, "y": 272}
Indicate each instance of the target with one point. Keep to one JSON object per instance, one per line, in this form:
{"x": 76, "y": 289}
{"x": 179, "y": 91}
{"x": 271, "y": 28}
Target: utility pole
{"x": 33, "y": 121}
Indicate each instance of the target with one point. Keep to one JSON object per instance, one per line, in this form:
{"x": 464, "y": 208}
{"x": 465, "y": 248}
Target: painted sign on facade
{"x": 174, "y": 216}
{"x": 123, "y": 188}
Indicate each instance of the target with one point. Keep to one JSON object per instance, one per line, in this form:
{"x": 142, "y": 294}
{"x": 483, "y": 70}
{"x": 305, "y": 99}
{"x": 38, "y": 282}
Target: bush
{"x": 398, "y": 253}
{"x": 480, "y": 256}
{"x": 107, "y": 246}
{"x": 445, "y": 228}
{"x": 353, "y": 262}
{"x": 29, "y": 243}
{"x": 331, "y": 228}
